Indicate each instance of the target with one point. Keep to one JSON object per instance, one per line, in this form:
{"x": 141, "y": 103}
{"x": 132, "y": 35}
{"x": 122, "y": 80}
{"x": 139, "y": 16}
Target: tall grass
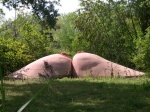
{"x": 2, "y": 89}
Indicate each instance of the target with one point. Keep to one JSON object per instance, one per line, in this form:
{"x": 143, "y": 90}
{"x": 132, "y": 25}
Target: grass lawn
{"x": 80, "y": 95}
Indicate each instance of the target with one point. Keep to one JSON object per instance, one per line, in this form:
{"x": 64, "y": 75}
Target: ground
{"x": 80, "y": 95}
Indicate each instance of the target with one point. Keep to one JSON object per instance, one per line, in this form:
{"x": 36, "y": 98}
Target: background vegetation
{"x": 116, "y": 30}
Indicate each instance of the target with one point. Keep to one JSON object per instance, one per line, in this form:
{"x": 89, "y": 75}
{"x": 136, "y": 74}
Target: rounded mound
{"x": 56, "y": 66}
{"x": 87, "y": 64}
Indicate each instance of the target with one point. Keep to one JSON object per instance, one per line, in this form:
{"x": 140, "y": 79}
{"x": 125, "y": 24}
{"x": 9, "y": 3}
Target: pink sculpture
{"x": 82, "y": 65}
{"x": 56, "y": 65}
{"x": 86, "y": 64}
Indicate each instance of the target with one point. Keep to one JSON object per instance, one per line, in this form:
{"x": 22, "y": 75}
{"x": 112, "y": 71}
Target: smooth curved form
{"x": 56, "y": 66}
{"x": 86, "y": 64}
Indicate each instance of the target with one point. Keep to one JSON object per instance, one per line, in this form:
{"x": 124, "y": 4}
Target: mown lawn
{"x": 80, "y": 95}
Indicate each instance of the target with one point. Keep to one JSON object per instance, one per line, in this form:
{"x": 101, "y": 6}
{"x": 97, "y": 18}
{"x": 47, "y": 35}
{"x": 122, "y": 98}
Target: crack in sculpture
{"x": 48, "y": 69}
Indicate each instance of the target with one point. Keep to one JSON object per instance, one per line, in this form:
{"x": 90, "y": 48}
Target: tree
{"x": 141, "y": 10}
{"x": 38, "y": 41}
{"x": 24, "y": 43}
{"x": 105, "y": 26}
{"x": 1, "y": 16}
{"x": 27, "y": 29}
{"x": 142, "y": 59}
{"x": 44, "y": 9}
{"x": 66, "y": 33}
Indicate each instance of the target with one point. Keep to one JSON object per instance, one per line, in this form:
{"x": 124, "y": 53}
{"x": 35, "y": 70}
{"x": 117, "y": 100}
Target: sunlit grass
{"x": 80, "y": 95}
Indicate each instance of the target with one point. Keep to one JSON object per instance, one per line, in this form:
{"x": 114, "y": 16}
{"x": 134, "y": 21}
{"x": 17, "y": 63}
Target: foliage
{"x": 22, "y": 41}
{"x": 66, "y": 33}
{"x": 27, "y": 29}
{"x": 44, "y": 9}
{"x": 104, "y": 27}
{"x": 37, "y": 39}
{"x": 112, "y": 28}
{"x": 142, "y": 59}
{"x": 1, "y": 16}
{"x": 14, "y": 55}
{"x": 141, "y": 10}
{"x": 115, "y": 30}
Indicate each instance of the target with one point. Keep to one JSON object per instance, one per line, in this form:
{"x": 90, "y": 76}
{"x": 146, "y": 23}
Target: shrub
{"x": 14, "y": 54}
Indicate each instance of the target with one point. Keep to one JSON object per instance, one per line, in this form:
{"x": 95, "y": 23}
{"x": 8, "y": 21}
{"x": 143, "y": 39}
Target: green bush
{"x": 14, "y": 54}
{"x": 142, "y": 59}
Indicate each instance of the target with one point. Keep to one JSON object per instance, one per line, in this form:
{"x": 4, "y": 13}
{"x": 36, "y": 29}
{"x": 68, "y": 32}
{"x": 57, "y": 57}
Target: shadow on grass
{"x": 74, "y": 95}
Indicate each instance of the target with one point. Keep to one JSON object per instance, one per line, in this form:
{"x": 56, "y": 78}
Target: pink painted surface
{"x": 56, "y": 65}
{"x": 86, "y": 64}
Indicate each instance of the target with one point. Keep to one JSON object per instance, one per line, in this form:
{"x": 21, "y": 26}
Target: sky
{"x": 66, "y": 7}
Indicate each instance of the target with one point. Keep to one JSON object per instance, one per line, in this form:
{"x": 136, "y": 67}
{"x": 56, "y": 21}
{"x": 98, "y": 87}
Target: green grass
{"x": 80, "y": 95}
{"x": 2, "y": 92}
